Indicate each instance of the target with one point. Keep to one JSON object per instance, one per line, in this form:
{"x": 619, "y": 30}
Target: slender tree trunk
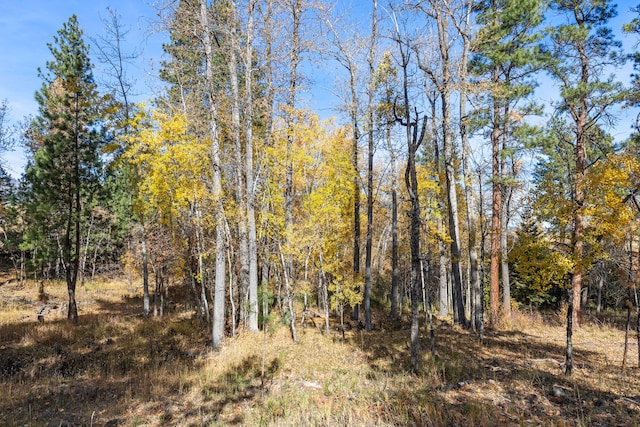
{"x": 204, "y": 303}
{"x": 156, "y": 293}
{"x": 72, "y": 311}
{"x": 355, "y": 314}
{"x": 496, "y": 203}
{"x": 443, "y": 281}
{"x": 472, "y": 218}
{"x": 369, "y": 243}
{"x": 580, "y": 115}
{"x": 599, "y": 297}
{"x": 145, "y": 272}
{"x": 584, "y": 295}
{"x": 483, "y": 276}
{"x": 288, "y": 299}
{"x": 428, "y": 314}
{"x": 325, "y": 295}
{"x": 294, "y": 60}
{"x": 395, "y": 271}
{"x": 629, "y": 306}
{"x": 413, "y": 140}
{"x": 241, "y": 196}
{"x": 219, "y": 290}
{"x": 476, "y": 289}
{"x": 578, "y": 240}
{"x": 250, "y": 205}
{"x": 85, "y": 252}
{"x": 444, "y": 87}
{"x": 411, "y": 180}
{"x": 267, "y": 19}
{"x": 71, "y": 250}
{"x": 626, "y": 336}
{"x": 412, "y": 183}
{"x": 569, "y": 350}
{"x": 504, "y": 255}
{"x": 443, "y": 288}
{"x": 232, "y": 299}
{"x": 454, "y": 229}
{"x": 506, "y": 284}
{"x": 220, "y": 273}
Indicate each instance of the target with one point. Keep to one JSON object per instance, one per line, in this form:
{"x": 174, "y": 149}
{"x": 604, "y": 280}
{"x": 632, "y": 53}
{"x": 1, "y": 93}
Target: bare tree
{"x": 443, "y": 79}
{"x": 461, "y": 19}
{"x": 371, "y": 59}
{"x": 415, "y": 133}
{"x": 232, "y": 33}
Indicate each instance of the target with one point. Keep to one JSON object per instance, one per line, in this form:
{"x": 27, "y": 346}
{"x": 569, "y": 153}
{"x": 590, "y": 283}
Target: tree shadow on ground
{"x": 510, "y": 378}
{"x": 241, "y": 383}
{"x": 58, "y": 373}
{"x": 116, "y": 367}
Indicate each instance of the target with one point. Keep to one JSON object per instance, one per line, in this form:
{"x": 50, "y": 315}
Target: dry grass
{"x": 116, "y": 368}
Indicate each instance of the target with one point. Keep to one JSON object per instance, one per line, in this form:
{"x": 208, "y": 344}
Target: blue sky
{"x": 26, "y": 26}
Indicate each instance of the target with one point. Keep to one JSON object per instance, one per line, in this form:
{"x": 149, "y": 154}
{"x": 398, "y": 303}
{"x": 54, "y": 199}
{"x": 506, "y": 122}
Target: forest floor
{"x": 115, "y": 368}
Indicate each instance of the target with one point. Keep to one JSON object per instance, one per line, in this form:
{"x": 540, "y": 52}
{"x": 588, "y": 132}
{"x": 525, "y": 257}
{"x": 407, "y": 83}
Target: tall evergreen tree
{"x": 583, "y": 46}
{"x": 633, "y": 97}
{"x": 633, "y": 27}
{"x": 64, "y": 171}
{"x": 506, "y": 55}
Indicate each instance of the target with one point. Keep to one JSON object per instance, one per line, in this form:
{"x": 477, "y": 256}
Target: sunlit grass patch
{"x": 117, "y": 366}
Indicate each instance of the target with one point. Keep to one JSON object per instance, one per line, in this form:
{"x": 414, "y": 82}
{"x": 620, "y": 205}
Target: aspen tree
{"x": 219, "y": 289}
{"x": 461, "y": 13}
{"x": 371, "y": 60}
{"x": 386, "y": 81}
{"x": 442, "y": 78}
{"x": 415, "y": 133}
{"x": 348, "y": 53}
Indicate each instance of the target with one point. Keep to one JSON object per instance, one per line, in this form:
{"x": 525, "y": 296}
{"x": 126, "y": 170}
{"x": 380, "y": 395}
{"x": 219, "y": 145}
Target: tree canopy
{"x": 228, "y": 184}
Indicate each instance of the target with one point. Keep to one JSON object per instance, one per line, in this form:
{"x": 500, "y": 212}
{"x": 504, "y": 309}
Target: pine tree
{"x": 539, "y": 271}
{"x": 64, "y": 171}
{"x": 633, "y": 27}
{"x": 506, "y": 55}
{"x": 583, "y": 46}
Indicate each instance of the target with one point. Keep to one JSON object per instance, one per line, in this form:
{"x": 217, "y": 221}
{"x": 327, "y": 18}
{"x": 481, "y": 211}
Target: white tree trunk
{"x": 252, "y": 323}
{"x": 220, "y": 273}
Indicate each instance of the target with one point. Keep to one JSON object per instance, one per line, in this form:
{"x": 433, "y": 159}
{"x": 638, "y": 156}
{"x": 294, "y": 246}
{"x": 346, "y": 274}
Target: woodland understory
{"x": 457, "y": 245}
{"x": 117, "y": 368}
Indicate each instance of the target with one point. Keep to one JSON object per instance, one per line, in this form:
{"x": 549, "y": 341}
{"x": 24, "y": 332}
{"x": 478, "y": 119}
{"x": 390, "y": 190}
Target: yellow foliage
{"x": 173, "y": 167}
{"x": 343, "y": 291}
{"x": 323, "y": 178}
{"x": 608, "y": 182}
{"x": 430, "y": 198}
